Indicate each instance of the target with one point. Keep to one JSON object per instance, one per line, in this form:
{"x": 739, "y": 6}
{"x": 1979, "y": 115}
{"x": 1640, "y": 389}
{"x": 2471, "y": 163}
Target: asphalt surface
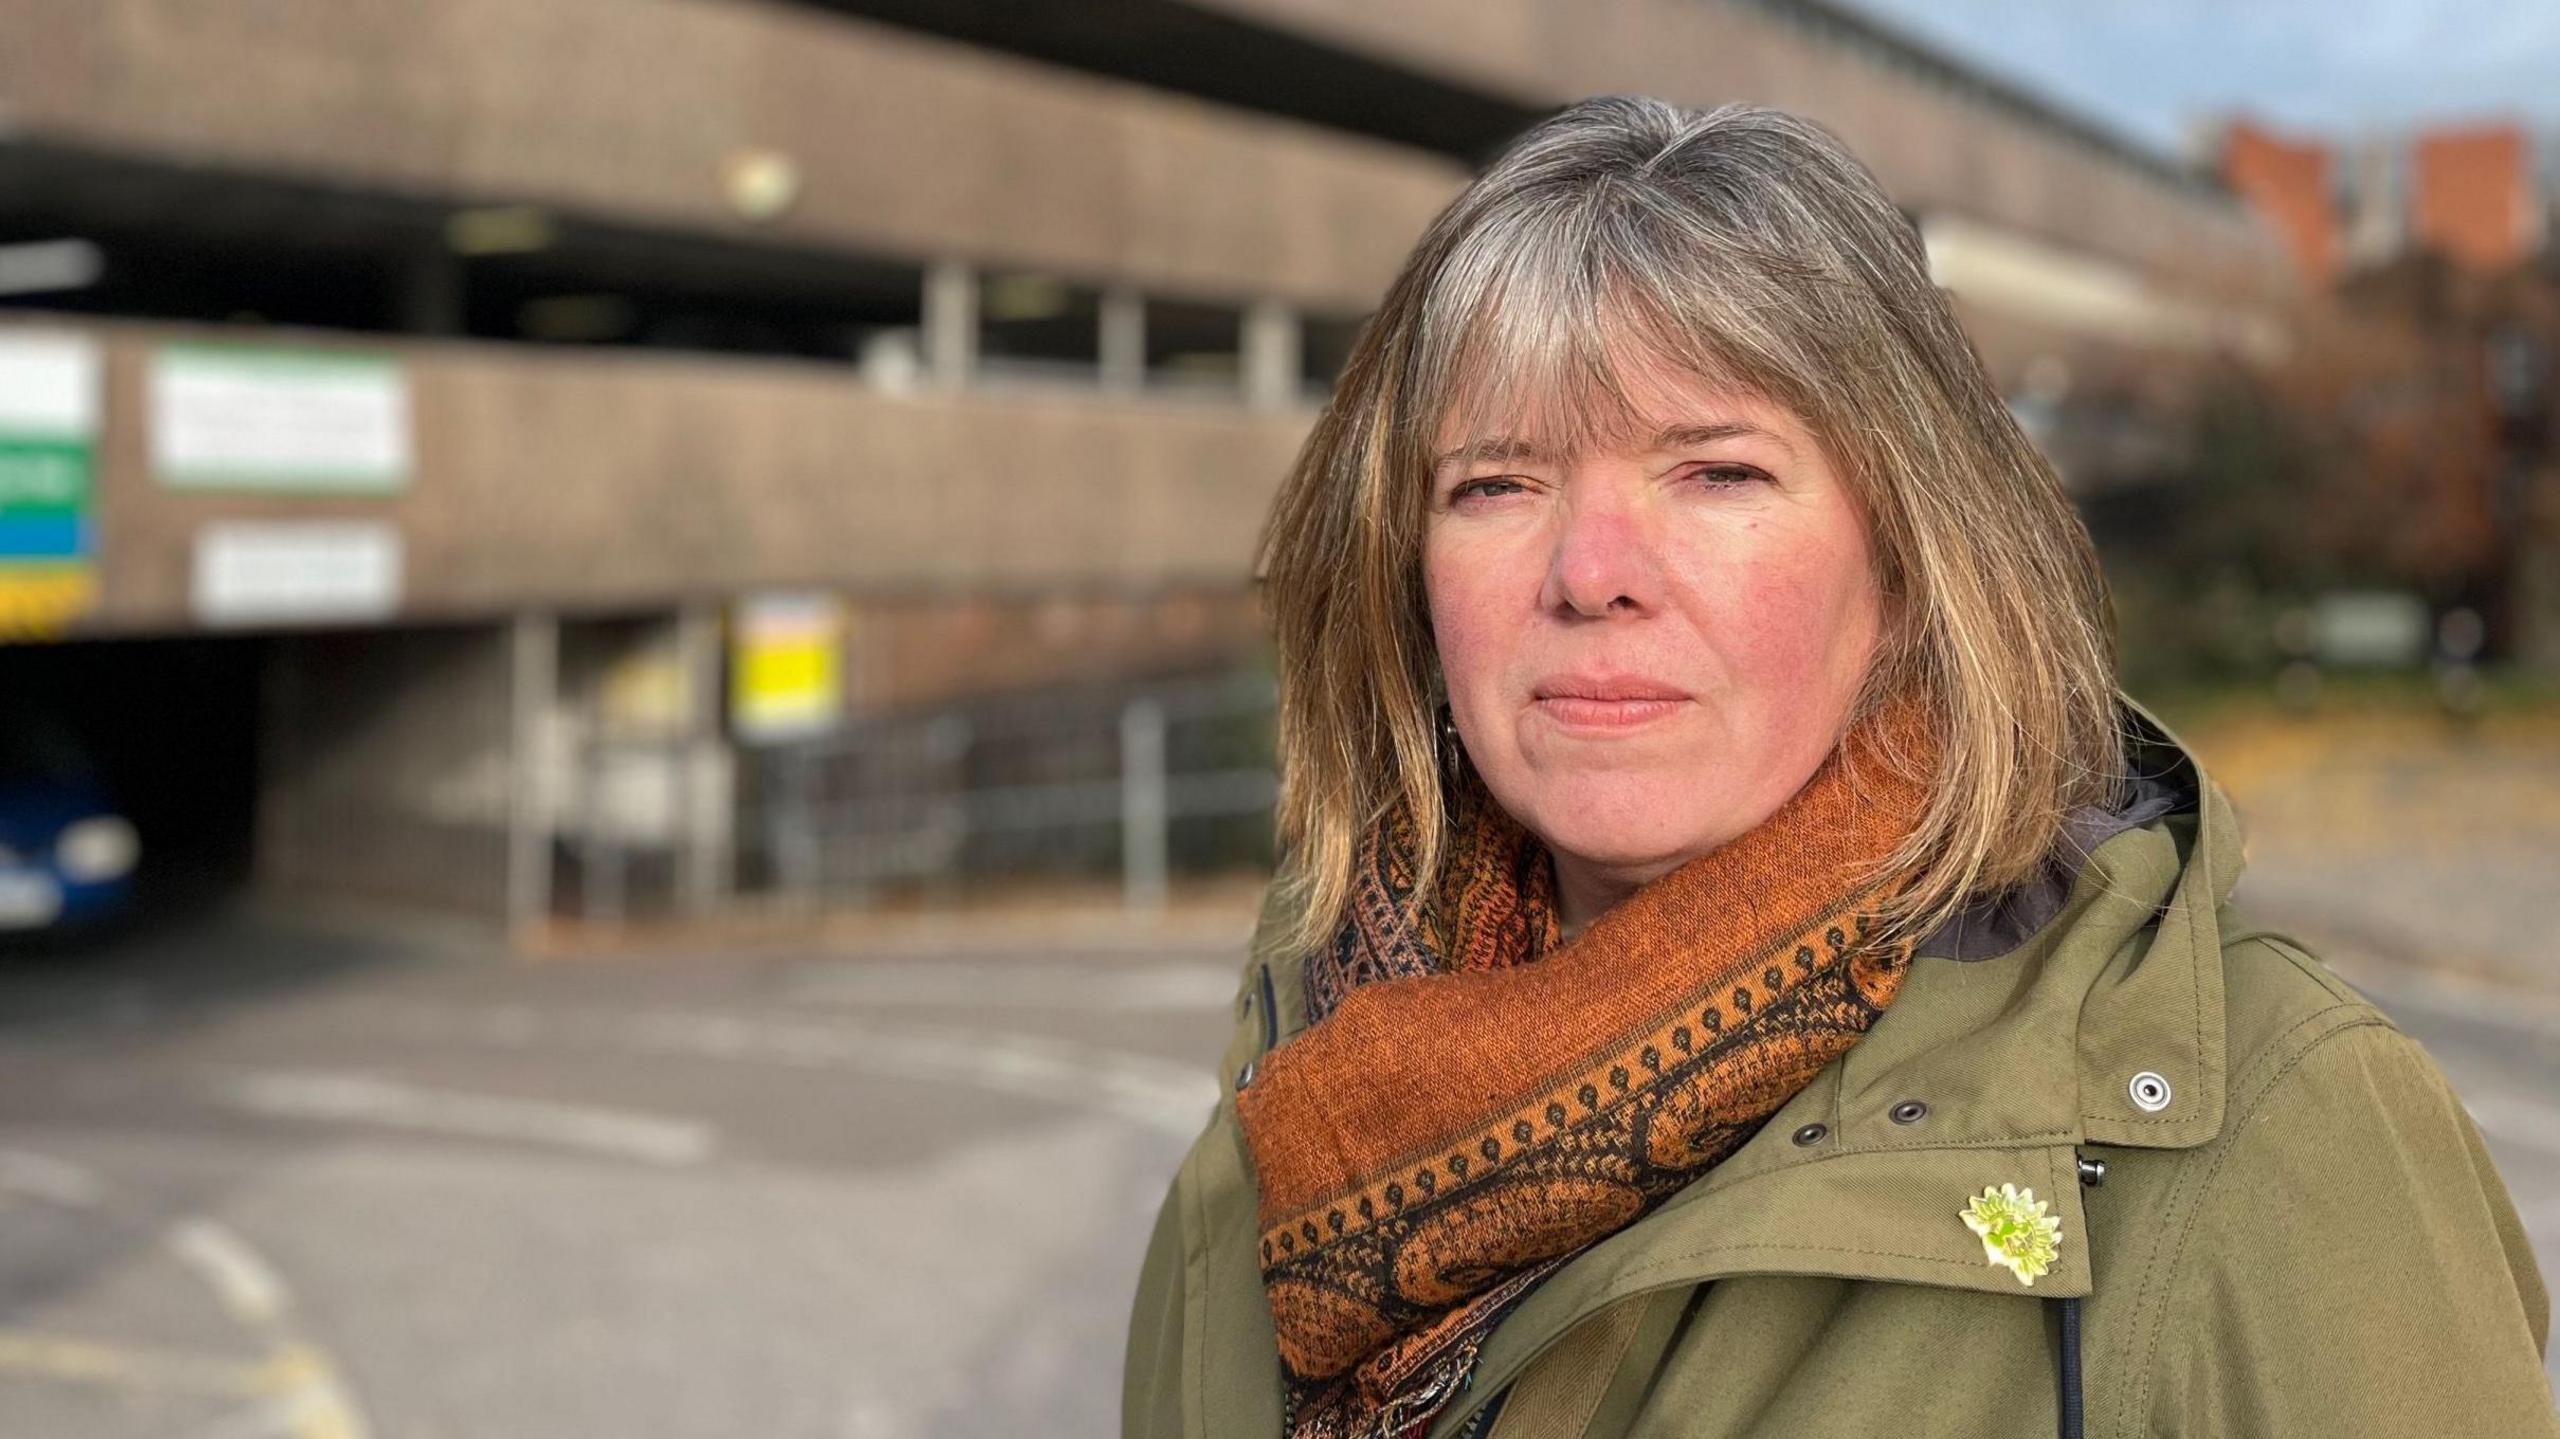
{"x": 259, "y": 1179}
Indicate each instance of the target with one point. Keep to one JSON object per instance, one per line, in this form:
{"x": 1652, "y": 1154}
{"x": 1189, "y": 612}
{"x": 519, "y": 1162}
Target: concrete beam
{"x": 653, "y": 112}
{"x": 572, "y": 481}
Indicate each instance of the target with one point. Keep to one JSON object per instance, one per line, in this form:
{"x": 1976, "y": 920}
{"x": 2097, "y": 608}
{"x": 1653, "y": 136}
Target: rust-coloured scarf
{"x": 1458, "y": 1121}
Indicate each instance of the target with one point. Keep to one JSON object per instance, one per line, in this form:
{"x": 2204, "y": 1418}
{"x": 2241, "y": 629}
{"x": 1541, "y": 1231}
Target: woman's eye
{"x": 1726, "y": 476}
{"x": 1496, "y": 485}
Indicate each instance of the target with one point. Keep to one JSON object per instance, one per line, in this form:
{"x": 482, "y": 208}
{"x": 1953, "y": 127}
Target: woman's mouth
{"x": 1576, "y": 712}
{"x": 1605, "y": 703}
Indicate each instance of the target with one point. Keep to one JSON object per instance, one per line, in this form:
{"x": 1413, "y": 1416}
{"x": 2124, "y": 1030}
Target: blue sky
{"x": 2341, "y": 66}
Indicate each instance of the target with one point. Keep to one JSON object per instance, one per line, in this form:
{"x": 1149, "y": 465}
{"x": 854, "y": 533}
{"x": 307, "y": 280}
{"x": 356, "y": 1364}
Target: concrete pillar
{"x": 950, "y": 323}
{"x": 533, "y": 692}
{"x": 709, "y": 797}
{"x": 1145, "y": 816}
{"x": 1270, "y": 360}
{"x": 1124, "y": 340}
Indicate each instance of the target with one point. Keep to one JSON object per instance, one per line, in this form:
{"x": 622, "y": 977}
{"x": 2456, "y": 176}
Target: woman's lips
{"x": 1579, "y": 712}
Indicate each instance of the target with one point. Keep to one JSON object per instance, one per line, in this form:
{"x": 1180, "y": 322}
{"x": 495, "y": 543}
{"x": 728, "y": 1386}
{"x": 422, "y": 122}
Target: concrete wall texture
{"x": 583, "y": 482}
{"x": 629, "y": 109}
{"x": 922, "y": 151}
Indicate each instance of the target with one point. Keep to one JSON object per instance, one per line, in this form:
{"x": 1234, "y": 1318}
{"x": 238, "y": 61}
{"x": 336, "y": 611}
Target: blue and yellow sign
{"x": 49, "y": 387}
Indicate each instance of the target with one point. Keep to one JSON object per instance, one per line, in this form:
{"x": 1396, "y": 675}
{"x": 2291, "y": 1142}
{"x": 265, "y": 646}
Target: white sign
{"x": 238, "y": 417}
{"x": 48, "y": 384}
{"x": 296, "y": 572}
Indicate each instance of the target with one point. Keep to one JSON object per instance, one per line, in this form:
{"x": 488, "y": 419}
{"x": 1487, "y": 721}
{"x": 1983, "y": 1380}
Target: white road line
{"x": 55, "y": 1181}
{"x": 1160, "y": 1093}
{"x": 367, "y": 1099}
{"x": 233, "y": 1270}
{"x": 1175, "y": 1098}
{"x": 304, "y": 1397}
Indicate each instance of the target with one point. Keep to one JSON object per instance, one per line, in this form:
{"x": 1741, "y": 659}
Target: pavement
{"x": 2403, "y": 836}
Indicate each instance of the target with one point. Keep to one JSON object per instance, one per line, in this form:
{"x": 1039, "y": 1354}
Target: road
{"x": 260, "y": 1180}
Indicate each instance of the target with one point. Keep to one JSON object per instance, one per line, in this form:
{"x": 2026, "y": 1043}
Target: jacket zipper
{"x": 2093, "y": 1172}
{"x": 2069, "y": 1377}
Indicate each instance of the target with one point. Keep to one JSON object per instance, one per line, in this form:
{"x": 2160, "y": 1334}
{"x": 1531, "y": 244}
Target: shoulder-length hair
{"x": 1748, "y": 248}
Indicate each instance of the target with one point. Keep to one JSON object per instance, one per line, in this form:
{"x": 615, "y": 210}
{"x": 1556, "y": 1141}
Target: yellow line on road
{"x": 312, "y": 1403}
{"x": 306, "y": 1399}
{"x": 53, "y": 1356}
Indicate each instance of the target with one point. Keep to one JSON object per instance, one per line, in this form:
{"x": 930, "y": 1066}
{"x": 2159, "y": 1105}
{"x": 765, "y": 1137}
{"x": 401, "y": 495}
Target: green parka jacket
{"x": 2276, "y": 1217}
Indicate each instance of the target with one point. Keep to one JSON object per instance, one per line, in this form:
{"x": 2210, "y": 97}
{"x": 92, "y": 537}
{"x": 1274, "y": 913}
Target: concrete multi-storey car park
{"x": 965, "y": 313}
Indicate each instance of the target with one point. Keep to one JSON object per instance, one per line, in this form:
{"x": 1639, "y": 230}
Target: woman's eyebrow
{"x": 1488, "y": 452}
{"x": 1682, "y": 436}
{"x": 1507, "y": 451}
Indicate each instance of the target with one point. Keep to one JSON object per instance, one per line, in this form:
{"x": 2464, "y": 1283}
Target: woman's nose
{"x": 1602, "y": 562}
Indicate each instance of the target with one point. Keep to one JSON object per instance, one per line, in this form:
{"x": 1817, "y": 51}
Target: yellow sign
{"x": 38, "y": 601}
{"x": 786, "y": 666}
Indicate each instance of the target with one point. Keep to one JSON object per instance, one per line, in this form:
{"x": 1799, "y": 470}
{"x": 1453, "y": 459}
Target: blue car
{"x": 67, "y": 855}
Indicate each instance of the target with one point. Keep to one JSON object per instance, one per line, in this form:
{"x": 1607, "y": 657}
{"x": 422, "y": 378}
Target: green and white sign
{"x": 243, "y": 417}
{"x": 49, "y": 403}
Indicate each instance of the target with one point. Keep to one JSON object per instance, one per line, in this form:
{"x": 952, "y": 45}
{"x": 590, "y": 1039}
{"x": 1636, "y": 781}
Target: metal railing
{"x": 1131, "y": 784}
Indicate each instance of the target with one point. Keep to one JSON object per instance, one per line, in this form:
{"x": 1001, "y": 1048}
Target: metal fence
{"x": 1131, "y": 784}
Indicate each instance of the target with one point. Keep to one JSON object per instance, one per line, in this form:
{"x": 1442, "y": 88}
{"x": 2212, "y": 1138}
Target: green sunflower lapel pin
{"x": 2016, "y": 1232}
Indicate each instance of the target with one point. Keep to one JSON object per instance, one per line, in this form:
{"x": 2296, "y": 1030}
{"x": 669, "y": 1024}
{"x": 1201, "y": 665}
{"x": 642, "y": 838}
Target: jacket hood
{"x": 2084, "y": 1008}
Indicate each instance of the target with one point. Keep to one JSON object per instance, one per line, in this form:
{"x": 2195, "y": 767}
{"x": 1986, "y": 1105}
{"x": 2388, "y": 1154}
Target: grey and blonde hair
{"x": 1748, "y": 248}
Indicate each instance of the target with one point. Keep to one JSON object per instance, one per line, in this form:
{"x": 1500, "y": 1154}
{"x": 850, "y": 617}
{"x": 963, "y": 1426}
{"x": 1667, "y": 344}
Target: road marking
{"x": 55, "y": 1181}
{"x": 1175, "y": 1098}
{"x": 310, "y": 1401}
{"x": 300, "y": 1393}
{"x": 297, "y": 1393}
{"x": 367, "y": 1099}
{"x": 1160, "y": 1093}
{"x": 85, "y": 1361}
{"x": 235, "y": 1273}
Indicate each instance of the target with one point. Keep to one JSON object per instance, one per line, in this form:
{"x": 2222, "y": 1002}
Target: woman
{"x": 1739, "y": 966}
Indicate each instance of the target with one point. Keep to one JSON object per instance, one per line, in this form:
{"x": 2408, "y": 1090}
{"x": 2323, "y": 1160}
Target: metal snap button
{"x": 1909, "y": 1111}
{"x": 1812, "y": 1133}
{"x": 1244, "y": 1076}
{"x": 2150, "y": 1092}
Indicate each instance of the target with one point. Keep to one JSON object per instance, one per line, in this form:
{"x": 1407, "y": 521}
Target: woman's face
{"x": 1649, "y": 648}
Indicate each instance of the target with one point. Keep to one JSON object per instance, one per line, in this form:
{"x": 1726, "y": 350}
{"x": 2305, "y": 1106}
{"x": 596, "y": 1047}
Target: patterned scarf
{"x": 1458, "y": 1121}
